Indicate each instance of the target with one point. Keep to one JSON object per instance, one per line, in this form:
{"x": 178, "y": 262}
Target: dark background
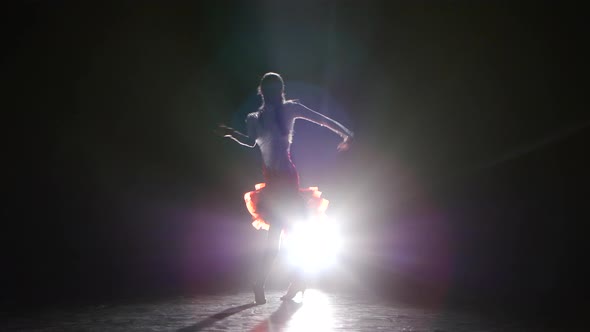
{"x": 467, "y": 183}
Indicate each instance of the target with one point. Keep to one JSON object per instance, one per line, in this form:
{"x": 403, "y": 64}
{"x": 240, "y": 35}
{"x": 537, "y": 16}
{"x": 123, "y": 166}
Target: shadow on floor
{"x": 215, "y": 318}
{"x": 278, "y": 318}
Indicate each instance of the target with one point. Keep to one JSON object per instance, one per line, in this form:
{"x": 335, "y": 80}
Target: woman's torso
{"x": 274, "y": 134}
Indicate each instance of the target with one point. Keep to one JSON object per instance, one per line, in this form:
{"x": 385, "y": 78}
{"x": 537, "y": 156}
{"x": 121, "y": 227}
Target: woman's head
{"x": 272, "y": 89}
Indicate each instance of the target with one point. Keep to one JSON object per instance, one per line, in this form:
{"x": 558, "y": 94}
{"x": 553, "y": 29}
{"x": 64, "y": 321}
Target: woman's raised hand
{"x": 224, "y": 131}
{"x": 345, "y": 145}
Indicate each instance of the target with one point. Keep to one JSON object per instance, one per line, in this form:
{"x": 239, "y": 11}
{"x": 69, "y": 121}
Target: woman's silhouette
{"x": 279, "y": 200}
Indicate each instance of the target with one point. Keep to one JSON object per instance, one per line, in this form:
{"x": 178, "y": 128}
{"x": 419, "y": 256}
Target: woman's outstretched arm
{"x": 245, "y": 140}
{"x": 303, "y": 112}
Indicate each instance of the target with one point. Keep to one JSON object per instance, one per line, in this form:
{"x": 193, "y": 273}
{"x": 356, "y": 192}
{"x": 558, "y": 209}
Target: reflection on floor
{"x": 315, "y": 315}
{"x": 317, "y": 311}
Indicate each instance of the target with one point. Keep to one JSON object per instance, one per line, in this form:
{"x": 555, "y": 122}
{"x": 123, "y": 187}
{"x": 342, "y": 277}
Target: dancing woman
{"x": 279, "y": 200}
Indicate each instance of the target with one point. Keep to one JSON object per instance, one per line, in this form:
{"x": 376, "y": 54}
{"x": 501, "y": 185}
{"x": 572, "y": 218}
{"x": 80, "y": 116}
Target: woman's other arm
{"x": 303, "y": 112}
{"x": 248, "y": 140}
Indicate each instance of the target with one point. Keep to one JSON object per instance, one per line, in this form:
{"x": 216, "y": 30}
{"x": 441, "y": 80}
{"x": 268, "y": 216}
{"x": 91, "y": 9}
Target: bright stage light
{"x": 313, "y": 246}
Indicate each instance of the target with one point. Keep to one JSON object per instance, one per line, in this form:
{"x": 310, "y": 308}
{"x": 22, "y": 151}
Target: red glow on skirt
{"x": 314, "y": 204}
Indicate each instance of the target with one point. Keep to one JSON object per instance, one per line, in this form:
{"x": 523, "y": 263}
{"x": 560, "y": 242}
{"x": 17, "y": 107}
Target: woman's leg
{"x": 273, "y": 242}
{"x": 297, "y": 276}
{"x": 297, "y": 283}
{"x": 272, "y": 246}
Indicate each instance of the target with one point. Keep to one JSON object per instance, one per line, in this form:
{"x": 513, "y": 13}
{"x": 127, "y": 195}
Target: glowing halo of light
{"x": 313, "y": 246}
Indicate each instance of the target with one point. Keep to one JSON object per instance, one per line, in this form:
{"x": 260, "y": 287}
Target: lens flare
{"x": 313, "y": 246}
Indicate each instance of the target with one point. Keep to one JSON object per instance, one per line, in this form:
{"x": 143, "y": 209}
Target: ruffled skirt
{"x": 281, "y": 205}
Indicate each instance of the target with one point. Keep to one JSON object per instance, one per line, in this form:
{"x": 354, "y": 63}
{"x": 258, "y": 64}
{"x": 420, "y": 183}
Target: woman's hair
{"x": 272, "y": 91}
